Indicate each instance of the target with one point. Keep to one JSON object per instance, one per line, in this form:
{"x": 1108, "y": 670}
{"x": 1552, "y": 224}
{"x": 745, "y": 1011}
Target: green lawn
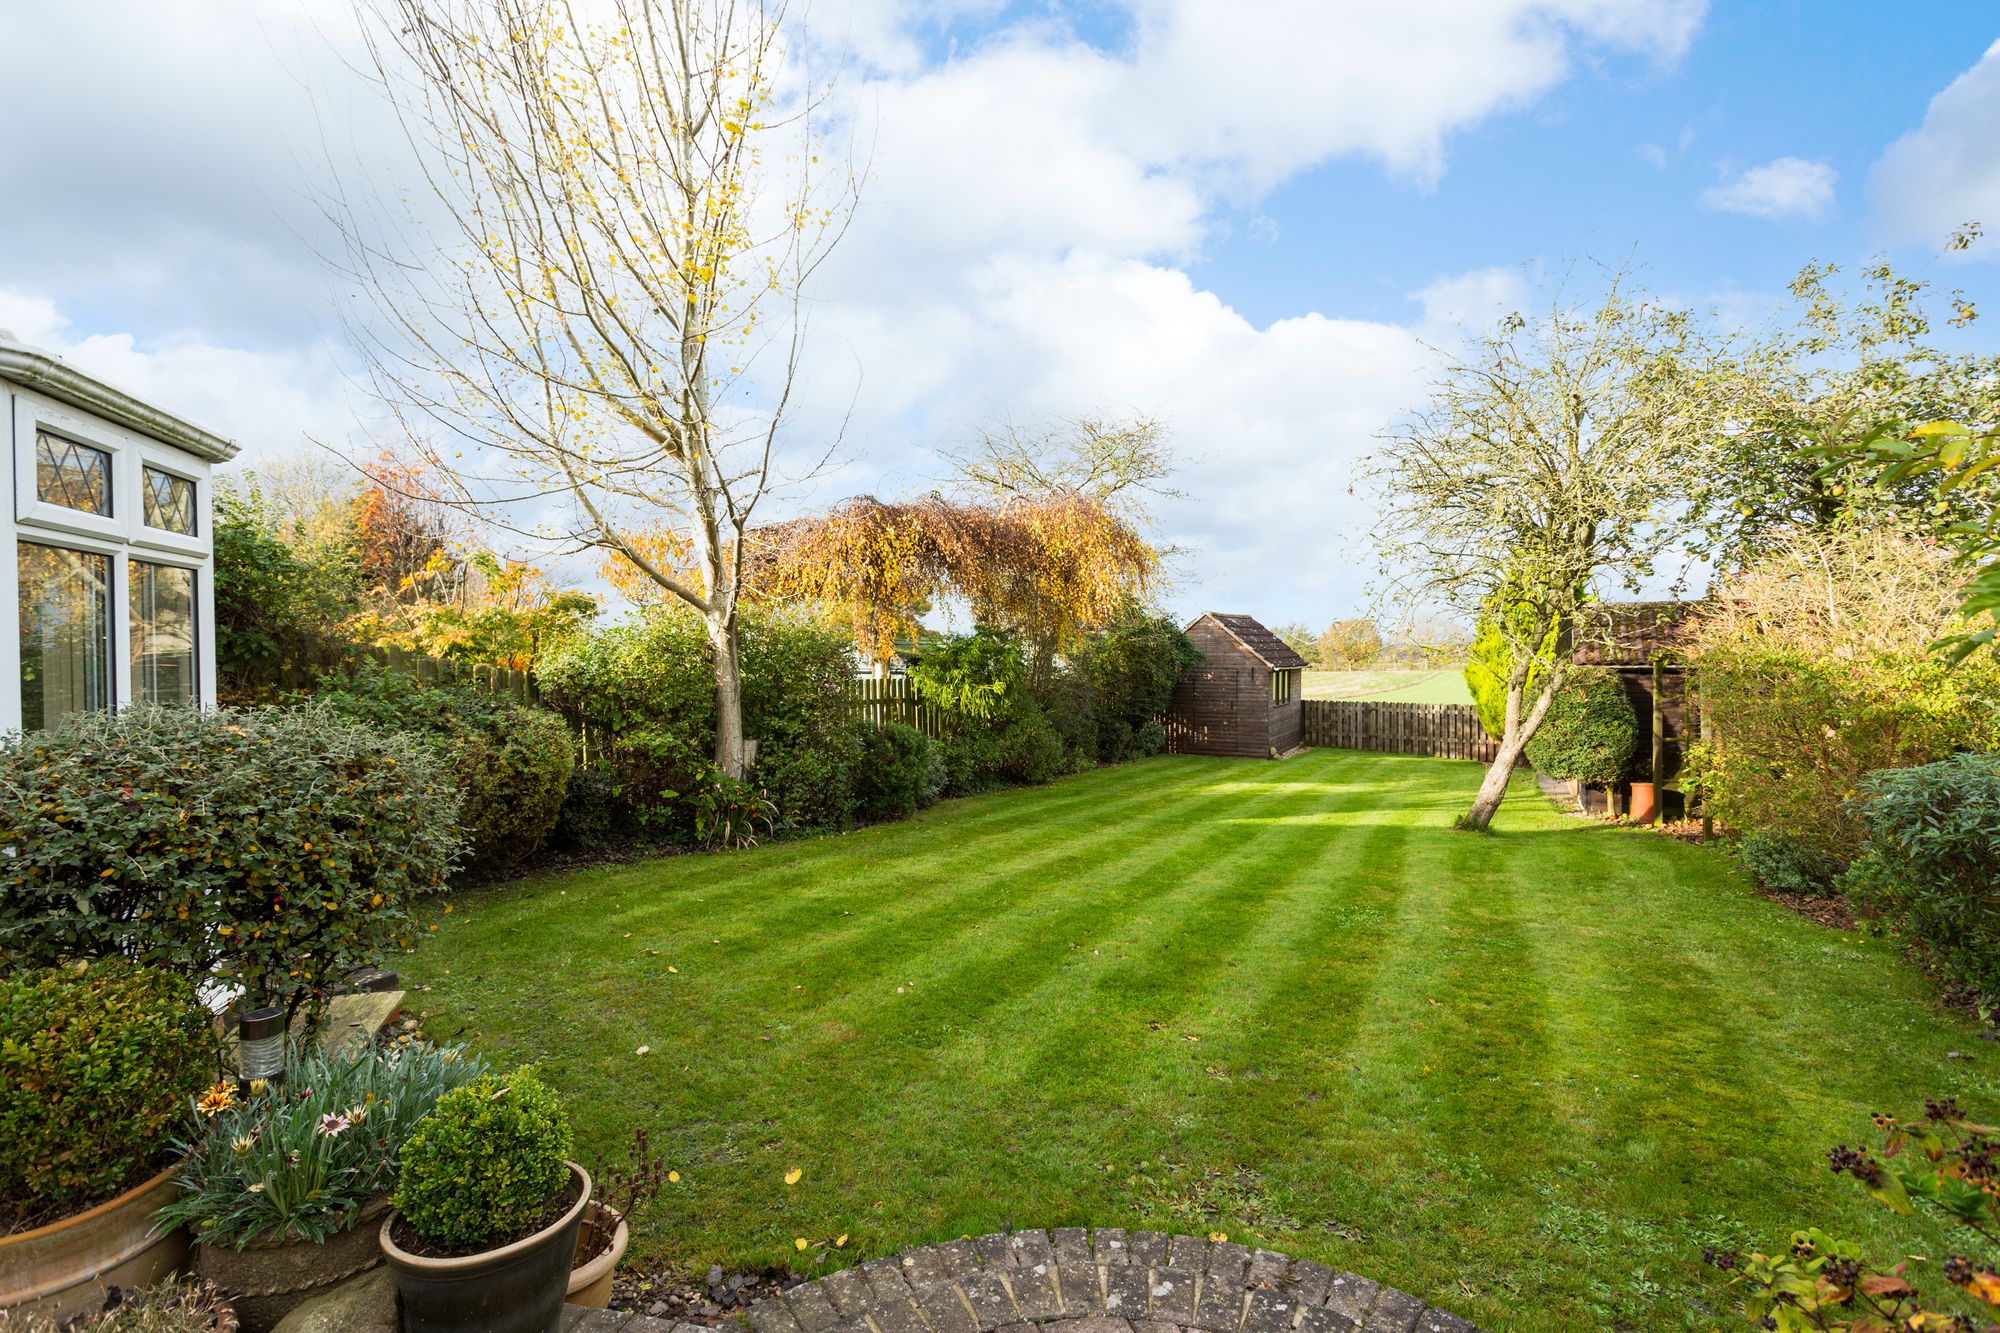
{"x": 1406, "y": 687}
{"x": 1527, "y": 1075}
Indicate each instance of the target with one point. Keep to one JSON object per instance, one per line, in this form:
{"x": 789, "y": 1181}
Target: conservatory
{"x": 112, "y": 566}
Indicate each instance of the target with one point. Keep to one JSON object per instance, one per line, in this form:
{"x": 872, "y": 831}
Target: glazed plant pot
{"x": 267, "y": 1278}
{"x": 67, "y": 1267}
{"x": 518, "y": 1288}
{"x": 590, "y": 1280}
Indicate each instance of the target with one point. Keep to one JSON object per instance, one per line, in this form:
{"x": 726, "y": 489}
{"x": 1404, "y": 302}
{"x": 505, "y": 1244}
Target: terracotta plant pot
{"x": 267, "y": 1278}
{"x": 1643, "y": 807}
{"x": 518, "y": 1288}
{"x": 590, "y": 1281}
{"x": 66, "y": 1267}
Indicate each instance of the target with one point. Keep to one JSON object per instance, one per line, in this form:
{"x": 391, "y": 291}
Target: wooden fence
{"x": 885, "y": 699}
{"x": 492, "y": 679}
{"x": 1443, "y": 731}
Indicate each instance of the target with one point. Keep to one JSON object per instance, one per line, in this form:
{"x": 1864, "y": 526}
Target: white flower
{"x": 331, "y": 1124}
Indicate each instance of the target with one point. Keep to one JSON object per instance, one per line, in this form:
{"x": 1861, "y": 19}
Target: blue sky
{"x": 1246, "y": 217}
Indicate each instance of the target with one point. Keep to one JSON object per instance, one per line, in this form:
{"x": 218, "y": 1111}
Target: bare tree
{"x": 1558, "y": 456}
{"x": 1115, "y": 464}
{"x": 628, "y": 202}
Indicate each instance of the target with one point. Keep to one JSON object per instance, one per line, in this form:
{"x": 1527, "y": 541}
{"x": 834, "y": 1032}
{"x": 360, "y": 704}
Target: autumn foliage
{"x": 1048, "y": 568}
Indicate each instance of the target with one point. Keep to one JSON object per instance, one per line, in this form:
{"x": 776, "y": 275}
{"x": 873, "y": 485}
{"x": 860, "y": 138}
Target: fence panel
{"x": 886, "y": 699}
{"x": 1442, "y": 731}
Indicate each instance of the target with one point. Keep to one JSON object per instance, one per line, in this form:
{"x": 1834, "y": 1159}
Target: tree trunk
{"x": 1514, "y": 738}
{"x": 728, "y": 700}
{"x": 1493, "y": 789}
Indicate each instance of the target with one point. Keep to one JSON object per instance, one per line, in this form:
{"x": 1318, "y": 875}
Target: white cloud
{"x": 1787, "y": 187}
{"x": 1031, "y": 199}
{"x": 1258, "y": 91}
{"x": 1472, "y": 300}
{"x": 271, "y": 402}
{"x": 1946, "y": 172}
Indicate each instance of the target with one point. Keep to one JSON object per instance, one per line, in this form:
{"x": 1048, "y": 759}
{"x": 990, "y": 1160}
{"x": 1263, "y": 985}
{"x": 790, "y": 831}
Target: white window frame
{"x": 123, "y": 536}
{"x": 33, "y": 419}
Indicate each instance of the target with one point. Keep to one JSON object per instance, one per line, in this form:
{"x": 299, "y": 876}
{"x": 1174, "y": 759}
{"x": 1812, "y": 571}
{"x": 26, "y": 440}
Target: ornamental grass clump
{"x": 96, "y": 1063}
{"x": 277, "y": 849}
{"x": 301, "y": 1159}
{"x": 488, "y": 1166}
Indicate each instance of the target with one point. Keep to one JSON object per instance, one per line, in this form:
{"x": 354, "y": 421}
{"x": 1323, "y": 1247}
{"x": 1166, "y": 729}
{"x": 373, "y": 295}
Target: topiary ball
{"x": 98, "y": 1062}
{"x": 487, "y": 1166}
{"x": 1590, "y": 732}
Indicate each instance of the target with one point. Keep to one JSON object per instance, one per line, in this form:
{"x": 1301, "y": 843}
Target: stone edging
{"x": 1106, "y": 1281}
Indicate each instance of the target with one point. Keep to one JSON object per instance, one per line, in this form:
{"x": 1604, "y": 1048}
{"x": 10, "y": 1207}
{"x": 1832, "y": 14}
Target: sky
{"x": 1254, "y": 220}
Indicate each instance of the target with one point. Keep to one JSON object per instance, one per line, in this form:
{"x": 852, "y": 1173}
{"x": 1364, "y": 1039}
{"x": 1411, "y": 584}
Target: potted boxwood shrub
{"x": 96, "y": 1061}
{"x": 284, "y": 1192}
{"x": 488, "y": 1207}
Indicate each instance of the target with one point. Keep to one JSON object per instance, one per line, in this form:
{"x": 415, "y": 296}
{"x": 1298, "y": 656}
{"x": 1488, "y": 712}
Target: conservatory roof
{"x": 46, "y": 373}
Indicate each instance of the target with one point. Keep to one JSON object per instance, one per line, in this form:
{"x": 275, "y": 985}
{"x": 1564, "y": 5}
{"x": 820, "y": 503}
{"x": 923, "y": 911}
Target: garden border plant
{"x": 277, "y": 849}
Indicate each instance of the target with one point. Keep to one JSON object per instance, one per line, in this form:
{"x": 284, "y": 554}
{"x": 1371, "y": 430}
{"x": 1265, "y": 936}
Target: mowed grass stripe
{"x": 794, "y": 889}
{"x": 1527, "y": 1178}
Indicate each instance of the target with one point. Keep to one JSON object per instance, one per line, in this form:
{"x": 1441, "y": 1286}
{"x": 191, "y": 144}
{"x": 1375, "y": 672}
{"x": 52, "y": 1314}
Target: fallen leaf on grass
{"x": 799, "y": 1243}
{"x": 793, "y": 1176}
{"x": 642, "y": 1050}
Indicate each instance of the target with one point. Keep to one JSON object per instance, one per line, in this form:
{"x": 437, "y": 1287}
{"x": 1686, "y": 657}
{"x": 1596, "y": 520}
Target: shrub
{"x": 487, "y": 1165}
{"x": 1931, "y": 864}
{"x": 1816, "y": 666}
{"x": 277, "y": 848}
{"x": 1152, "y": 738}
{"x": 1133, "y": 666}
{"x": 1488, "y": 663}
{"x": 511, "y": 761}
{"x": 1786, "y": 865}
{"x": 1941, "y": 1166}
{"x": 96, "y": 1061}
{"x": 1590, "y": 731}
{"x": 1030, "y": 750}
{"x": 589, "y": 815}
{"x": 316, "y": 1148}
{"x": 278, "y": 613}
{"x": 645, "y": 694}
{"x": 900, "y": 771}
{"x": 994, "y": 729}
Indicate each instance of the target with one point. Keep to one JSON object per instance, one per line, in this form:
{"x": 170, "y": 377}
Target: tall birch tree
{"x": 630, "y": 204}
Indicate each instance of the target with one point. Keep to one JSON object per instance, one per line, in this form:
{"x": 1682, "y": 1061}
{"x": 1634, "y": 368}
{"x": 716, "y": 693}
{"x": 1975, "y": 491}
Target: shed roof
{"x": 1265, "y": 646}
{"x": 44, "y": 372}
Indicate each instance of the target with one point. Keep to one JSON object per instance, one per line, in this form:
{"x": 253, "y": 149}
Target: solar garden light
{"x": 260, "y": 1046}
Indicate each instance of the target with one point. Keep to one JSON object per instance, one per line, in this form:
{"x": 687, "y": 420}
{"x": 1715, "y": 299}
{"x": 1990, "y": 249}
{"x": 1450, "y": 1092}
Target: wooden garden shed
{"x": 1245, "y": 696}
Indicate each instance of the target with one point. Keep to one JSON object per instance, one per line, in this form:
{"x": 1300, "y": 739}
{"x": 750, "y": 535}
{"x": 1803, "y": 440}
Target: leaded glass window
{"x": 163, "y": 663}
{"x": 72, "y": 475}
{"x": 65, "y": 633}
{"x": 169, "y": 502}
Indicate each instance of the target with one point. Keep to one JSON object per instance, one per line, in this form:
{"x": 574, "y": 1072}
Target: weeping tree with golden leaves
{"x": 631, "y": 206}
{"x": 1049, "y": 567}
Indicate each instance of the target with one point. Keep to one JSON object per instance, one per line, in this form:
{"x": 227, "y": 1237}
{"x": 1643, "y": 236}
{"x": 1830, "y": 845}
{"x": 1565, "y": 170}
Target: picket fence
{"x": 886, "y": 699}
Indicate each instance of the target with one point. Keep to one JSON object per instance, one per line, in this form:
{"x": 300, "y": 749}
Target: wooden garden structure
{"x": 1640, "y": 642}
{"x": 1244, "y": 698}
